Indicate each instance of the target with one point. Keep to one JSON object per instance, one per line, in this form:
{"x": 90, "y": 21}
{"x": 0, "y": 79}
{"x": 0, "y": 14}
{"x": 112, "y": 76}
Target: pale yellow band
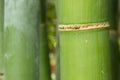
{"x": 76, "y": 27}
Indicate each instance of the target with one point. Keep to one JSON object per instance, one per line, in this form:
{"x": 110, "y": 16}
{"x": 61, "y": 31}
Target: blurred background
{"x": 52, "y": 35}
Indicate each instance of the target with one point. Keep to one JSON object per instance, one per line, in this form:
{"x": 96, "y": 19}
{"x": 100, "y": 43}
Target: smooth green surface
{"x": 21, "y": 39}
{"x": 115, "y": 55}
{"x": 82, "y": 11}
{"x": 1, "y": 35}
{"x": 44, "y": 67}
{"x": 113, "y": 14}
{"x": 84, "y": 55}
{"x": 44, "y": 55}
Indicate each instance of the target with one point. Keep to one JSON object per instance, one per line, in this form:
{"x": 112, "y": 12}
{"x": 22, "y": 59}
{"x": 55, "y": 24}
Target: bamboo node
{"x": 76, "y": 27}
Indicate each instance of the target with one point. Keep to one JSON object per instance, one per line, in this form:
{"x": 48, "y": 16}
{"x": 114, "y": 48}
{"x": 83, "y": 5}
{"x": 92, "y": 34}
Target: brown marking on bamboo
{"x": 76, "y": 27}
{"x": 1, "y": 75}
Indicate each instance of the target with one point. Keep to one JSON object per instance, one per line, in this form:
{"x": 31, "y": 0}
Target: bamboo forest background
{"x": 52, "y": 35}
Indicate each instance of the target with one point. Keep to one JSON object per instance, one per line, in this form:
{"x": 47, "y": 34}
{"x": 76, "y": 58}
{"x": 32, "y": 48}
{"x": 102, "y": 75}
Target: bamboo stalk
{"x": 44, "y": 49}
{"x": 114, "y": 37}
{"x": 44, "y": 56}
{"x": 113, "y": 12}
{"x": 84, "y": 53}
{"x": 115, "y": 54}
{"x": 1, "y": 38}
{"x": 119, "y": 34}
{"x": 21, "y": 18}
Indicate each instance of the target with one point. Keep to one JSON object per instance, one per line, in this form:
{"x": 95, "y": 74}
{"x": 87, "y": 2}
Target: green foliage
{"x": 51, "y": 23}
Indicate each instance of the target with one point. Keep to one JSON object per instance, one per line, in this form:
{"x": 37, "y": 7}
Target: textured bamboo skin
{"x": 1, "y": 36}
{"x": 21, "y": 39}
{"x": 84, "y": 55}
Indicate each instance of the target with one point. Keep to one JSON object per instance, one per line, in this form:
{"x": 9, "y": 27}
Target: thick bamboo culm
{"x": 21, "y": 18}
{"x": 44, "y": 67}
{"x": 84, "y": 53}
{"x": 1, "y": 38}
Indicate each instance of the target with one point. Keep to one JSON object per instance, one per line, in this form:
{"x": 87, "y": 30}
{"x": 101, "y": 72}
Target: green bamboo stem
{"x": 113, "y": 12}
{"x": 44, "y": 50}
{"x": 119, "y": 34}
{"x": 1, "y": 38}
{"x": 21, "y": 17}
{"x": 115, "y": 54}
{"x": 44, "y": 56}
{"x": 84, "y": 54}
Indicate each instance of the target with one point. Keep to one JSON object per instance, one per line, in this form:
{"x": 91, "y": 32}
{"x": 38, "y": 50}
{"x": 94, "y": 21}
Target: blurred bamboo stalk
{"x": 44, "y": 49}
{"x": 114, "y": 37}
{"x": 119, "y": 34}
{"x": 1, "y": 38}
{"x": 21, "y": 21}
